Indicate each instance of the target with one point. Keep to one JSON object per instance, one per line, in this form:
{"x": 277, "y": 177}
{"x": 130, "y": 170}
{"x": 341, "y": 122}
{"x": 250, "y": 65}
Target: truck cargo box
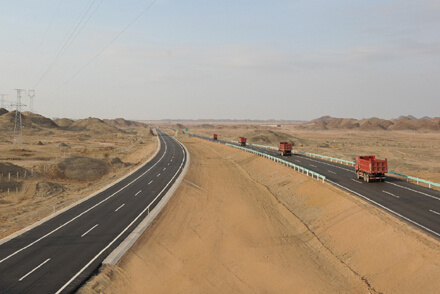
{"x": 371, "y": 168}
{"x": 285, "y": 148}
{"x": 242, "y": 141}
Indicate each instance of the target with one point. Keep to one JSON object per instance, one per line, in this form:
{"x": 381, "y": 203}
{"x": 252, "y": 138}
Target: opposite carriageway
{"x": 61, "y": 253}
{"x": 417, "y": 205}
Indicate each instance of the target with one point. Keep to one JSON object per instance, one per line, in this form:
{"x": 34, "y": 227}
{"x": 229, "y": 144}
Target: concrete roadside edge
{"x": 117, "y": 254}
{"x": 49, "y": 217}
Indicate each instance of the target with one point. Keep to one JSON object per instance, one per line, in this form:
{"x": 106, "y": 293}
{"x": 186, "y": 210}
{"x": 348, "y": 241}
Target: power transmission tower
{"x": 18, "y": 127}
{"x": 31, "y": 95}
{"x": 3, "y": 100}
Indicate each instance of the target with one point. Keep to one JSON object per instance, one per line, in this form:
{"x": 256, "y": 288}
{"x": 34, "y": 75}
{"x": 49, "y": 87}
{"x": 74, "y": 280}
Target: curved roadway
{"x": 63, "y": 252}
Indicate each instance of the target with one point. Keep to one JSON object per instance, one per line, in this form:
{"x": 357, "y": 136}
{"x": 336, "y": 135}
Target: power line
{"x": 65, "y": 46}
{"x": 34, "y": 65}
{"x": 111, "y": 41}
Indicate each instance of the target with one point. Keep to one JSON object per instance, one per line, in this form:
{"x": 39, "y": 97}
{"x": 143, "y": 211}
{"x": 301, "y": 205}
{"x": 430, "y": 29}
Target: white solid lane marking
{"x": 120, "y": 234}
{"x": 386, "y": 208}
{"x": 33, "y": 270}
{"x": 434, "y": 212}
{"x": 413, "y": 190}
{"x": 79, "y": 215}
{"x": 312, "y": 165}
{"x": 158, "y": 175}
{"x": 332, "y": 172}
{"x": 150, "y": 182}
{"x": 356, "y": 181}
{"x": 119, "y": 207}
{"x": 138, "y": 193}
{"x": 390, "y": 194}
{"x": 89, "y": 230}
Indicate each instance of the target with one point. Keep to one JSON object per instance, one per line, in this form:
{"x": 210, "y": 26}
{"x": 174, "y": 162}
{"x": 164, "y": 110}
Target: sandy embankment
{"x": 240, "y": 223}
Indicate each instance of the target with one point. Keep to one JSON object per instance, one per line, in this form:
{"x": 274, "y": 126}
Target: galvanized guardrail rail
{"x": 282, "y": 161}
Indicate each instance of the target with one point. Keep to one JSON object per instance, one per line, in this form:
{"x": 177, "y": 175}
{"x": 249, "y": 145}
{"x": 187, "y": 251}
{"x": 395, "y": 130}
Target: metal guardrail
{"x": 282, "y": 161}
{"x": 332, "y": 159}
{"x": 417, "y": 180}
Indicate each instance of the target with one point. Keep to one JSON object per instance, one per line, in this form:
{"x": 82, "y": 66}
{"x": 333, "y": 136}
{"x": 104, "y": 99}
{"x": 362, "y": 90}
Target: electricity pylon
{"x": 31, "y": 95}
{"x": 18, "y": 127}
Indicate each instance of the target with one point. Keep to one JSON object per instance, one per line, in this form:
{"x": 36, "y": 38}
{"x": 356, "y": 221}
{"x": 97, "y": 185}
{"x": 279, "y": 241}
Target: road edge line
{"x": 125, "y": 245}
{"x": 49, "y": 217}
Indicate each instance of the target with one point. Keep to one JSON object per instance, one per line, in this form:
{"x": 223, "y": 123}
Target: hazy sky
{"x": 259, "y": 59}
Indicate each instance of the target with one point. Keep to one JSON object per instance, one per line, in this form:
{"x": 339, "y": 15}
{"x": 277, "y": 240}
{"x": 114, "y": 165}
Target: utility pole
{"x": 18, "y": 127}
{"x": 31, "y": 95}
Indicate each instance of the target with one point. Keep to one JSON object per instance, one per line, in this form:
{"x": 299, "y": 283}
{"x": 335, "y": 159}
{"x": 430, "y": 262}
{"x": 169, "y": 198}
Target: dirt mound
{"x": 180, "y": 134}
{"x": 7, "y": 121}
{"x": 79, "y": 169}
{"x": 123, "y": 123}
{"x": 48, "y": 189}
{"x": 63, "y": 122}
{"x": 94, "y": 125}
{"x": 7, "y": 167}
{"x": 3, "y": 111}
{"x": 40, "y": 120}
{"x": 268, "y": 137}
{"x": 145, "y": 132}
{"x": 374, "y": 124}
{"x": 205, "y": 126}
{"x": 342, "y": 123}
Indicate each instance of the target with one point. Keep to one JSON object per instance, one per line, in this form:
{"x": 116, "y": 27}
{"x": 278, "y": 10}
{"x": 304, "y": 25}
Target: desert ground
{"x": 63, "y": 161}
{"x": 239, "y": 223}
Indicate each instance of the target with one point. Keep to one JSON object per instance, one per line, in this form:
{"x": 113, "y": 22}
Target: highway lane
{"x": 60, "y": 254}
{"x": 417, "y": 205}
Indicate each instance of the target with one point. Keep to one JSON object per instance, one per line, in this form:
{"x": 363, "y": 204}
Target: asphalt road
{"x": 62, "y": 253}
{"x": 417, "y": 205}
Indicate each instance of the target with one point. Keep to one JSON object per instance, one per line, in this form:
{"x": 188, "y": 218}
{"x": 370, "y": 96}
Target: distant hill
{"x": 123, "y": 123}
{"x": 29, "y": 120}
{"x": 373, "y": 124}
{"x": 94, "y": 125}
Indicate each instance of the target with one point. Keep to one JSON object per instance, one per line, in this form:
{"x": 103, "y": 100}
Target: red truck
{"x": 214, "y": 137}
{"x": 242, "y": 141}
{"x": 285, "y": 148}
{"x": 371, "y": 168}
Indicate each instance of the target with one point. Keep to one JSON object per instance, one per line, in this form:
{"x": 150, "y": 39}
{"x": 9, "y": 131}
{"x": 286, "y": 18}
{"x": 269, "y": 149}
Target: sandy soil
{"x": 242, "y": 224}
{"x": 413, "y": 153}
{"x": 62, "y": 166}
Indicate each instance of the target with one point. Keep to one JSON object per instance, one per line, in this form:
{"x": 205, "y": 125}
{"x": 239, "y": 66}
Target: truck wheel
{"x": 358, "y": 175}
{"x": 368, "y": 178}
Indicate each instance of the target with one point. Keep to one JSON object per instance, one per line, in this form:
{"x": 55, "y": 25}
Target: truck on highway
{"x": 214, "y": 137}
{"x": 242, "y": 141}
{"x": 285, "y": 148}
{"x": 371, "y": 168}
